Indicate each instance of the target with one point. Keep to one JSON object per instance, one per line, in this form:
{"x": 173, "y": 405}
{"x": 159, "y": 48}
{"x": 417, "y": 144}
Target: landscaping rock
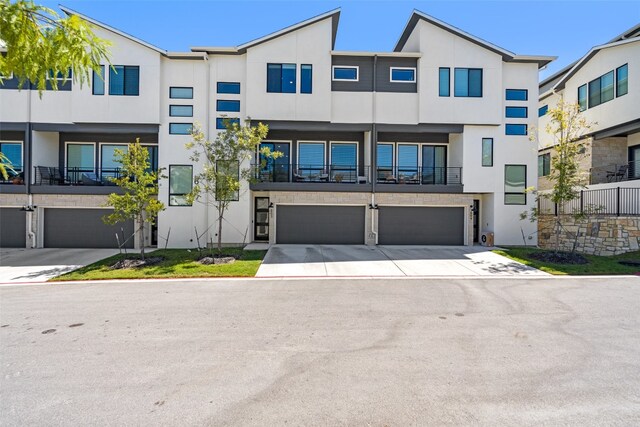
{"x": 136, "y": 263}
{"x": 217, "y": 260}
{"x": 559, "y": 257}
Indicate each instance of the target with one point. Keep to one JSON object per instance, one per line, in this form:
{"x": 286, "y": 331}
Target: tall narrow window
{"x": 544, "y": 164}
{"x": 384, "y": 160}
{"x": 124, "y": 80}
{"x": 306, "y": 78}
{"x": 180, "y": 184}
{"x": 281, "y": 78}
{"x": 487, "y": 151}
{"x": 622, "y": 80}
{"x": 444, "y": 82}
{"x": 407, "y": 162}
{"x": 467, "y": 82}
{"x": 344, "y": 162}
{"x": 515, "y": 184}
{"x": 81, "y": 159}
{"x": 98, "y": 82}
{"x": 582, "y": 97}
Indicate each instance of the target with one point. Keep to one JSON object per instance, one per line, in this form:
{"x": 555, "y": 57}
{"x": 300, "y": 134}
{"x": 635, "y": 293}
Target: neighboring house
{"x": 423, "y": 145}
{"x": 605, "y": 83}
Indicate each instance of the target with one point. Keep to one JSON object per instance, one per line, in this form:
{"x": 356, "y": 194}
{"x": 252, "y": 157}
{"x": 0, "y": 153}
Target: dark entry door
{"x": 261, "y": 219}
{"x": 476, "y": 220}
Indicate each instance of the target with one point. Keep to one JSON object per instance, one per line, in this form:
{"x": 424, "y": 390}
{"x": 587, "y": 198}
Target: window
{"x": 222, "y": 121}
{"x": 445, "y": 82}
{"x": 516, "y": 112}
{"x": 281, "y": 78}
{"x": 228, "y": 87}
{"x": 306, "y": 78}
{"x": 180, "y": 128}
{"x": 601, "y": 90}
{"x": 180, "y": 184}
{"x": 226, "y": 105}
{"x": 487, "y": 151}
{"x": 229, "y": 171}
{"x": 582, "y": 97}
{"x": 310, "y": 159}
{"x": 517, "y": 95}
{"x": 13, "y": 153}
{"x": 544, "y": 164}
{"x": 407, "y": 162}
{"x": 344, "y": 161}
{"x": 543, "y": 110}
{"x": 515, "y": 184}
{"x": 515, "y": 129}
{"x": 181, "y": 92}
{"x": 97, "y": 85}
{"x": 59, "y": 76}
{"x": 622, "y": 80}
{"x": 108, "y": 156}
{"x": 467, "y": 82}
{"x": 124, "y": 80}
{"x": 345, "y": 73}
{"x": 181, "y": 110}
{"x": 80, "y": 157}
{"x": 384, "y": 160}
{"x": 403, "y": 75}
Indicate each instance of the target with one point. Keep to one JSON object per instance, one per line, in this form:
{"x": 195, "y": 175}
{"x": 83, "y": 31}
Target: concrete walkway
{"x": 388, "y": 261}
{"x": 33, "y": 265}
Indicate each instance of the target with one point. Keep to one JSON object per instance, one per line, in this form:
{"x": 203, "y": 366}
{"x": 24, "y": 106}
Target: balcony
{"x": 74, "y": 180}
{"x": 615, "y": 173}
{"x": 420, "y": 176}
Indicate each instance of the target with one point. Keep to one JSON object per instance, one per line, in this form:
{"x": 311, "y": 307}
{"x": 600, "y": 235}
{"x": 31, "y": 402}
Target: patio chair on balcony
{"x": 90, "y": 178}
{"x": 618, "y": 175}
{"x": 49, "y": 176}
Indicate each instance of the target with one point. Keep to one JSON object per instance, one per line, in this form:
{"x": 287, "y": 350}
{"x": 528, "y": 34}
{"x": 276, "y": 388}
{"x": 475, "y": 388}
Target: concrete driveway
{"x": 37, "y": 265}
{"x": 388, "y": 261}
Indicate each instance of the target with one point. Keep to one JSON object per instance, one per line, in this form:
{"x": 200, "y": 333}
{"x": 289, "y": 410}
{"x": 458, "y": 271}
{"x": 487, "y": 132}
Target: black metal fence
{"x": 608, "y": 201}
{"x": 47, "y": 175}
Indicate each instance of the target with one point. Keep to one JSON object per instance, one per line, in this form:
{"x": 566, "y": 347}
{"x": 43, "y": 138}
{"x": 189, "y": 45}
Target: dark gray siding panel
{"x": 82, "y": 228}
{"x": 13, "y": 228}
{"x": 420, "y": 225}
{"x": 328, "y": 225}
{"x": 365, "y": 74}
{"x": 383, "y": 73}
{"x": 440, "y": 138}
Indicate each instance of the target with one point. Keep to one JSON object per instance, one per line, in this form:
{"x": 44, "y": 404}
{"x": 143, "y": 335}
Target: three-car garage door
{"x": 13, "y": 224}
{"x": 320, "y": 224}
{"x": 83, "y": 228}
{"x": 420, "y": 225}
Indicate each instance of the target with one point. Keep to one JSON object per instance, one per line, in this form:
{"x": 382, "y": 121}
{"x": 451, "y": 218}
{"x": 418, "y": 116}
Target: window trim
{"x": 124, "y": 80}
{"x": 524, "y": 192}
{"x": 332, "y": 143}
{"x": 526, "y": 129}
{"x": 482, "y": 153}
{"x": 180, "y": 87}
{"x": 393, "y": 154}
{"x": 66, "y": 154}
{"x": 616, "y": 79}
{"x": 356, "y": 67}
{"x": 468, "y": 86}
{"x": 415, "y": 74}
{"x": 229, "y": 83}
{"x": 310, "y": 81}
{"x": 234, "y": 101}
{"x": 584, "y": 107}
{"x": 547, "y": 164}
{"x": 448, "y": 95}
{"x": 179, "y": 194}
{"x": 526, "y": 95}
{"x": 310, "y": 141}
{"x": 104, "y": 81}
{"x": 282, "y": 64}
{"x": 519, "y": 108}
{"x": 178, "y": 123}
{"x": 180, "y": 115}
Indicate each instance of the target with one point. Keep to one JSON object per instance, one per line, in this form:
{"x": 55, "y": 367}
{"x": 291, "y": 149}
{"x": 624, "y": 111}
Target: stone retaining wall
{"x": 599, "y": 235}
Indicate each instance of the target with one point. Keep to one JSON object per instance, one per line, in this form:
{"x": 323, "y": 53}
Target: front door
{"x": 261, "y": 219}
{"x": 476, "y": 220}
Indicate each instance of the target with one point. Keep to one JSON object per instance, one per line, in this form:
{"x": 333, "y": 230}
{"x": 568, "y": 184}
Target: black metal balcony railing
{"x": 46, "y": 175}
{"x": 615, "y": 172}
{"x": 607, "y": 201}
{"x": 312, "y": 173}
{"x": 15, "y": 175}
{"x": 420, "y": 176}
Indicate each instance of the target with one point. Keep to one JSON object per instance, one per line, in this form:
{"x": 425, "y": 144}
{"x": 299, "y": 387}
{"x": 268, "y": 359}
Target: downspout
{"x": 205, "y": 57}
{"x": 374, "y": 151}
{"x": 28, "y": 168}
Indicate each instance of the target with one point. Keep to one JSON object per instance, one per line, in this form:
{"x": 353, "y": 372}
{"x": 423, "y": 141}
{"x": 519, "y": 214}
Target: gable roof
{"x": 97, "y": 23}
{"x": 334, "y": 15}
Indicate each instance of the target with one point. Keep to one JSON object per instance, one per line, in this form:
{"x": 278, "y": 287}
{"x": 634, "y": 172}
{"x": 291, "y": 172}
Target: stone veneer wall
{"x": 601, "y": 235}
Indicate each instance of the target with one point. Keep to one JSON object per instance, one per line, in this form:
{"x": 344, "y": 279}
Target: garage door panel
{"x": 420, "y": 225}
{"x": 13, "y": 224}
{"x": 320, "y": 224}
{"x": 82, "y": 228}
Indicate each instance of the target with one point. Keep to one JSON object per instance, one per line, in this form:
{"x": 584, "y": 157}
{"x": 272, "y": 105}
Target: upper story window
{"x": 281, "y": 78}
{"x": 543, "y": 110}
{"x": 124, "y": 80}
{"x": 601, "y": 89}
{"x": 515, "y": 184}
{"x": 12, "y": 150}
{"x": 544, "y": 164}
{"x": 467, "y": 82}
{"x": 181, "y": 92}
{"x": 444, "y": 75}
{"x": 59, "y": 76}
{"x": 97, "y": 84}
{"x": 515, "y": 129}
{"x": 487, "y": 151}
{"x": 582, "y": 97}
{"x": 517, "y": 95}
{"x": 516, "y": 112}
{"x": 228, "y": 87}
{"x": 181, "y": 110}
{"x": 306, "y": 78}
{"x": 180, "y": 128}
{"x": 228, "y": 105}
{"x": 622, "y": 80}
{"x": 402, "y": 75}
{"x": 221, "y": 122}
{"x": 345, "y": 73}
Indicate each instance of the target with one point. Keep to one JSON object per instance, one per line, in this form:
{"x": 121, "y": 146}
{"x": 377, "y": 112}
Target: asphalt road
{"x": 322, "y": 352}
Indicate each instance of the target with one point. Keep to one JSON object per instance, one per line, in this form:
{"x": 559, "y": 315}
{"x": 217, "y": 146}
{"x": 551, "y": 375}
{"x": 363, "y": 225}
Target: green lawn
{"x": 596, "y": 265}
{"x": 178, "y": 263}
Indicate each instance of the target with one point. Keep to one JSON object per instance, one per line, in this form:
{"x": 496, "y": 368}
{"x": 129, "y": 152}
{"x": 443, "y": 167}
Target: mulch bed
{"x": 136, "y": 262}
{"x": 559, "y": 257}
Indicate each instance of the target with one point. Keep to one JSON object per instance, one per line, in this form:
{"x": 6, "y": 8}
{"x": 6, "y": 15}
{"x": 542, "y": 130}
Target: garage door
{"x": 13, "y": 223}
{"x": 330, "y": 225}
{"x": 82, "y": 228}
{"x": 420, "y": 225}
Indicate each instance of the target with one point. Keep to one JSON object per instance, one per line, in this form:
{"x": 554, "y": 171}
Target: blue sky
{"x": 567, "y": 29}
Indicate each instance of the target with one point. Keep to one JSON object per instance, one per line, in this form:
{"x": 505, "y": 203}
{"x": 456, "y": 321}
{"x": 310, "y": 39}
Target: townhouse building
{"x": 426, "y": 144}
{"x": 603, "y": 83}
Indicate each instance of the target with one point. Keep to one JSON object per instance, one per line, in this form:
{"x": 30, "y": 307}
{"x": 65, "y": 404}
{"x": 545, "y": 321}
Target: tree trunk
{"x": 220, "y": 234}
{"x": 141, "y": 234}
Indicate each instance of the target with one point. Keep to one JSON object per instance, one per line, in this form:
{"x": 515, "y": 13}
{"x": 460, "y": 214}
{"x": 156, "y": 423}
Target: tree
{"x": 140, "y": 184}
{"x": 567, "y": 126}
{"x": 5, "y": 167}
{"x": 39, "y": 43}
{"x": 226, "y": 164}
